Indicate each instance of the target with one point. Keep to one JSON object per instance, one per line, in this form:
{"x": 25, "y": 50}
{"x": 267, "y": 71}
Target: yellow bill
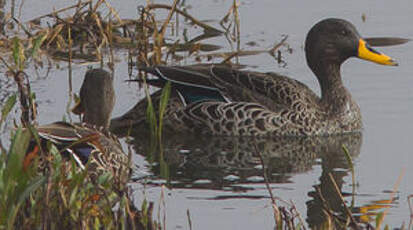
{"x": 367, "y": 53}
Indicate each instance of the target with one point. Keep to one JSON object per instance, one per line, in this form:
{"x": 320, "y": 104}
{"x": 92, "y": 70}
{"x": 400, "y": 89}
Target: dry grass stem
{"x": 207, "y": 27}
{"x": 392, "y": 194}
{"x": 277, "y": 213}
{"x": 353, "y": 221}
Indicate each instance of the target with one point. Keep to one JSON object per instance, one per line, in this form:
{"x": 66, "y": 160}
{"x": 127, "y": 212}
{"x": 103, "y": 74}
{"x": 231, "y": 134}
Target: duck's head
{"x": 97, "y": 98}
{"x": 332, "y": 41}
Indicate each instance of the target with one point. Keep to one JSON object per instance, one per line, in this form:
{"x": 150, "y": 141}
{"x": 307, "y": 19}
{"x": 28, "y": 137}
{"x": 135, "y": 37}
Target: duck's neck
{"x": 98, "y": 110}
{"x": 334, "y": 95}
{"x": 330, "y": 81}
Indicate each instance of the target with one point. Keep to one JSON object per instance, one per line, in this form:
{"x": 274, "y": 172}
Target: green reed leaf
{"x": 8, "y": 106}
{"x": 37, "y": 43}
{"x": 163, "y": 103}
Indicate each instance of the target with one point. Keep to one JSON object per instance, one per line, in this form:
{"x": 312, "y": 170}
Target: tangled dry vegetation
{"x": 89, "y": 34}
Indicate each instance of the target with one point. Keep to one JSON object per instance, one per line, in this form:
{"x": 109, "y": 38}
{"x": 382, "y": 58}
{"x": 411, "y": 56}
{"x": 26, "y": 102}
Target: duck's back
{"x": 87, "y": 145}
{"x": 249, "y": 103}
{"x": 272, "y": 90}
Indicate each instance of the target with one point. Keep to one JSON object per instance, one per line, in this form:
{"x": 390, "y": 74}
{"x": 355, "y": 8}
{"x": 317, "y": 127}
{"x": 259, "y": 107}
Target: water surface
{"x": 222, "y": 186}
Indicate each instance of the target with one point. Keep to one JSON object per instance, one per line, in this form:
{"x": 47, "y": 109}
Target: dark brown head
{"x": 332, "y": 41}
{"x": 97, "y": 98}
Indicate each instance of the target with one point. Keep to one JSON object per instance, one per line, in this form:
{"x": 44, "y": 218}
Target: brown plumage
{"x": 90, "y": 144}
{"x": 220, "y": 100}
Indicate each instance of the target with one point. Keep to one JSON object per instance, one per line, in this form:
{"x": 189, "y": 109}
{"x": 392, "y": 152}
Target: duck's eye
{"x": 344, "y": 32}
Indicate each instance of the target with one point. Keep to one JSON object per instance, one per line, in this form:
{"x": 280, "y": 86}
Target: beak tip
{"x": 394, "y": 62}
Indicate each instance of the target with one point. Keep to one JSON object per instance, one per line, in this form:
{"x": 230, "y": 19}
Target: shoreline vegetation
{"x": 61, "y": 196}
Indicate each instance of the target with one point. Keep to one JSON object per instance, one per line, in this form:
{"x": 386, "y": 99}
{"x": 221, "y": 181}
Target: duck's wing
{"x": 190, "y": 75}
{"x": 67, "y": 140}
{"x": 223, "y": 83}
{"x": 191, "y": 83}
{"x": 272, "y": 90}
{"x": 58, "y": 132}
{"x": 96, "y": 151}
{"x": 80, "y": 141}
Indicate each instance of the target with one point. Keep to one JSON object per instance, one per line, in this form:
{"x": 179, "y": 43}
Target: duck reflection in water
{"x": 227, "y": 162}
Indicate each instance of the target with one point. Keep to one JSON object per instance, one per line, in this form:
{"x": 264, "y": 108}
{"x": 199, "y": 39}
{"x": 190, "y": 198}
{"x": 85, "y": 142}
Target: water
{"x": 223, "y": 190}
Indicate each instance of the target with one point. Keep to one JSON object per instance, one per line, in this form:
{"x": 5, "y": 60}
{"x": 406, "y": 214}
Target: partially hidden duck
{"x": 90, "y": 144}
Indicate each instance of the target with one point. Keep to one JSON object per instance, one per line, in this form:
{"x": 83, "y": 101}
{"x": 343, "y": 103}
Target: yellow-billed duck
{"x": 220, "y": 100}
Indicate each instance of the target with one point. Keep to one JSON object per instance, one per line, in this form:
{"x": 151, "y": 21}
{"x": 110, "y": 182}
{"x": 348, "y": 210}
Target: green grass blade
{"x": 16, "y": 51}
{"x": 37, "y": 43}
{"x": 151, "y": 118}
{"x": 12, "y": 216}
{"x": 163, "y": 103}
{"x": 18, "y": 54}
{"x": 31, "y": 187}
{"x": 150, "y": 112}
{"x": 379, "y": 219}
{"x": 8, "y": 106}
{"x": 18, "y": 147}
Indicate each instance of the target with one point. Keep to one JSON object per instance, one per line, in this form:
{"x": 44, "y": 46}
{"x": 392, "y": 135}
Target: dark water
{"x": 219, "y": 180}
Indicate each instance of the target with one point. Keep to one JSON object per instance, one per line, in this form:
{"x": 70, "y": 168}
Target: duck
{"x": 217, "y": 99}
{"x": 89, "y": 143}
